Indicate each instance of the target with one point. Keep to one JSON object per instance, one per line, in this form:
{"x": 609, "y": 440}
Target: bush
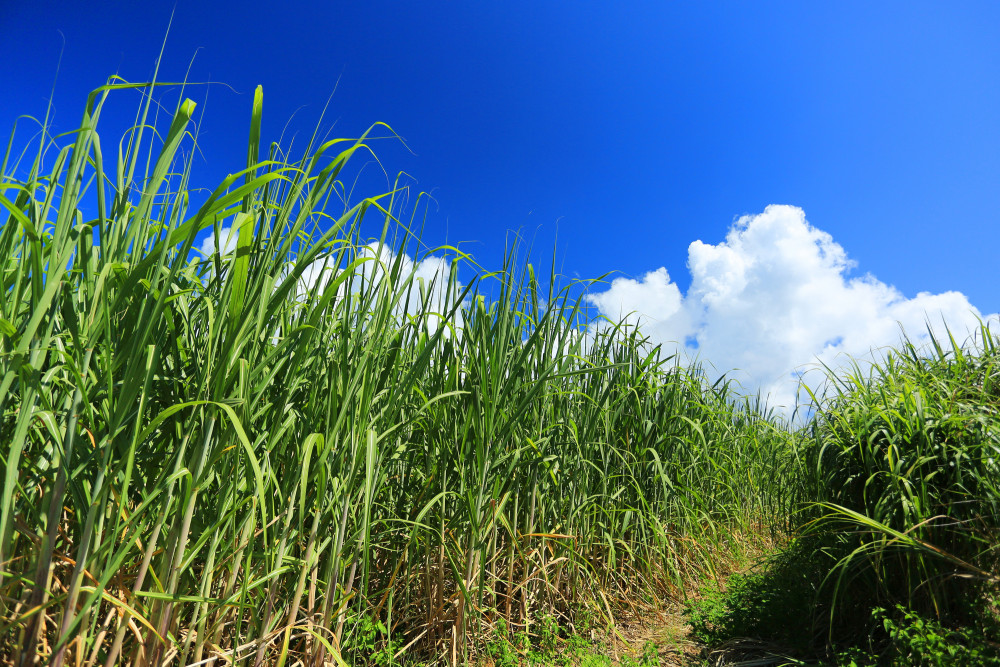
{"x": 914, "y": 640}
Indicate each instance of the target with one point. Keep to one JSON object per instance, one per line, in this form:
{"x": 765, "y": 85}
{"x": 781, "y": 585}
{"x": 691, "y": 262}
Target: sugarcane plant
{"x": 306, "y": 441}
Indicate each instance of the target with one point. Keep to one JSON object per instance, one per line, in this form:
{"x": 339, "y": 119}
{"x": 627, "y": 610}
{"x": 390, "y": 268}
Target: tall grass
{"x": 904, "y": 469}
{"x": 228, "y": 458}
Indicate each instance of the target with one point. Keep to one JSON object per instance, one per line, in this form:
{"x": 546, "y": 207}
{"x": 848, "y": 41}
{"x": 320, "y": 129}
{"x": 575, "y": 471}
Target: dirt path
{"x": 667, "y": 629}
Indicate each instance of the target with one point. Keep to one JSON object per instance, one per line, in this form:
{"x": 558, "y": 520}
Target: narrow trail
{"x": 666, "y": 629}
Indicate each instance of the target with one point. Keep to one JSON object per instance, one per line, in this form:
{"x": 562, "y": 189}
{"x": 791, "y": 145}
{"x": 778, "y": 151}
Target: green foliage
{"x": 264, "y": 451}
{"x": 649, "y": 657}
{"x": 914, "y": 640}
{"x": 501, "y": 650}
{"x": 367, "y": 643}
{"x": 547, "y": 628}
{"x": 920, "y": 641}
{"x": 906, "y": 475}
{"x": 902, "y": 496}
{"x": 556, "y": 645}
{"x": 775, "y": 603}
{"x": 237, "y": 453}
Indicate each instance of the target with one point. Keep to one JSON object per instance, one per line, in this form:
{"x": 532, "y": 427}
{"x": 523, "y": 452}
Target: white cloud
{"x": 774, "y": 298}
{"x": 225, "y": 241}
{"x": 429, "y": 290}
{"x": 418, "y": 286}
{"x": 653, "y": 302}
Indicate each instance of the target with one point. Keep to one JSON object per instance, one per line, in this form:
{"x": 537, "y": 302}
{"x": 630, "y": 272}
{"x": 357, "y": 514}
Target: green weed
{"x": 367, "y": 643}
{"x": 921, "y": 642}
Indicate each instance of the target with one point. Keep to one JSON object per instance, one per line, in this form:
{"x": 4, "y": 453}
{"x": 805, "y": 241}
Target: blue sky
{"x": 630, "y": 130}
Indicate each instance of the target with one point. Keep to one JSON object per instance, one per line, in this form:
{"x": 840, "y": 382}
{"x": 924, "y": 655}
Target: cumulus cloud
{"x": 422, "y": 285}
{"x": 224, "y": 241}
{"x": 774, "y": 300}
{"x": 417, "y": 286}
{"x": 431, "y": 271}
